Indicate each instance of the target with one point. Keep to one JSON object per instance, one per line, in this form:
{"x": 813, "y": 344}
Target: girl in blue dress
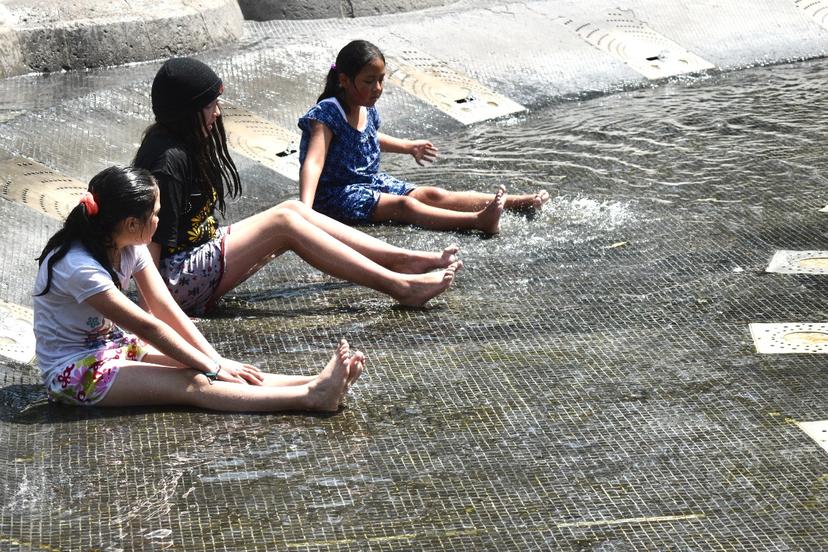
{"x": 340, "y": 157}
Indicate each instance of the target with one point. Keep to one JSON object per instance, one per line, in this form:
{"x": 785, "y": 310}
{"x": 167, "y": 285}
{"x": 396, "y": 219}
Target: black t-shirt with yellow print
{"x": 187, "y": 217}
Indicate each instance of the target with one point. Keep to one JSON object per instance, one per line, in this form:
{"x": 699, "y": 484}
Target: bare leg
{"x": 257, "y": 239}
{"x": 282, "y": 380}
{"x": 141, "y": 383}
{"x": 475, "y": 201}
{"x": 395, "y": 258}
{"x": 410, "y": 210}
{"x": 272, "y": 380}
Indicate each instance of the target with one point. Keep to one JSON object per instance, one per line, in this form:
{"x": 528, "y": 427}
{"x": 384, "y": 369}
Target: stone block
{"x": 265, "y": 10}
{"x": 78, "y": 35}
{"x": 11, "y": 61}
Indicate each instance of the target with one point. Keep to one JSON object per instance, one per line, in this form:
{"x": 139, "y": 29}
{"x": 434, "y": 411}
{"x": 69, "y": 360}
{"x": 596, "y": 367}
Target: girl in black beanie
{"x": 186, "y": 150}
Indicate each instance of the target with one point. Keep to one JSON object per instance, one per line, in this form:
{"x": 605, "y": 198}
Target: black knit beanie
{"x": 183, "y": 85}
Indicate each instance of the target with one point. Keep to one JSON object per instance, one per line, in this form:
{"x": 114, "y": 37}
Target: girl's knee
{"x": 284, "y": 216}
{"x": 429, "y": 194}
{"x": 399, "y": 204}
{"x": 294, "y": 205}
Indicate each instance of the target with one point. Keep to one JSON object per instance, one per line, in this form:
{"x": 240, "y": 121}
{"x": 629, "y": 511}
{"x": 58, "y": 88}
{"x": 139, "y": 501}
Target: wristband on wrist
{"x": 213, "y": 376}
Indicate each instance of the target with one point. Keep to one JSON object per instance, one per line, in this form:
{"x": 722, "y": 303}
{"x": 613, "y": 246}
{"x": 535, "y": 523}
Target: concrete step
{"x": 265, "y": 10}
{"x": 54, "y": 36}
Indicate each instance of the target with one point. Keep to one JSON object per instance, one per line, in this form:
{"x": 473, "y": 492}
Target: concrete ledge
{"x": 11, "y": 61}
{"x": 265, "y": 10}
{"x": 75, "y": 35}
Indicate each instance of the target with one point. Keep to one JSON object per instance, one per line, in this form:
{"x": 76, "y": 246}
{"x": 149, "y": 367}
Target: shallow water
{"x": 614, "y": 164}
{"x": 591, "y": 364}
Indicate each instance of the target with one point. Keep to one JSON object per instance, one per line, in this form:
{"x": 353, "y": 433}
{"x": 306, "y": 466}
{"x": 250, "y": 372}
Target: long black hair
{"x": 349, "y": 61}
{"x": 119, "y": 193}
{"x": 215, "y": 169}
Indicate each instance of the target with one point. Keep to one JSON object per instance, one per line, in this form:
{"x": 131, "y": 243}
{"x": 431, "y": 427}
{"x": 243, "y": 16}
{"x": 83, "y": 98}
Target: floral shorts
{"x": 88, "y": 379}
{"x": 193, "y": 275}
{"x": 356, "y": 203}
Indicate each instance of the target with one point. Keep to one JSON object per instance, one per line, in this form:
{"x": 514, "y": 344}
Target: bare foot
{"x": 352, "y": 360}
{"x": 527, "y": 202}
{"x": 427, "y": 260}
{"x": 356, "y": 365}
{"x": 489, "y": 217}
{"x": 326, "y": 391}
{"x": 540, "y": 198}
{"x": 418, "y": 289}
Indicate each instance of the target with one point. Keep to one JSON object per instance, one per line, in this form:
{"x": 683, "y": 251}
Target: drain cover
{"x": 799, "y": 262}
{"x": 17, "y": 340}
{"x": 39, "y": 187}
{"x": 817, "y": 9}
{"x": 790, "y": 338}
{"x": 626, "y": 38}
{"x": 818, "y": 431}
{"x": 261, "y": 140}
{"x": 453, "y": 93}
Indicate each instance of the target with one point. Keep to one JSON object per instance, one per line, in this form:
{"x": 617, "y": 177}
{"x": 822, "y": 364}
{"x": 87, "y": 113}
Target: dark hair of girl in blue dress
{"x": 351, "y": 59}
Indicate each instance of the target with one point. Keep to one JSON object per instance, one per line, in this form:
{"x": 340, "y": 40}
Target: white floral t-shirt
{"x": 67, "y": 328}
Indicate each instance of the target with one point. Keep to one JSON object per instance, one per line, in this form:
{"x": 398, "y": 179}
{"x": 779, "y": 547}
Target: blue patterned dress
{"x": 351, "y": 182}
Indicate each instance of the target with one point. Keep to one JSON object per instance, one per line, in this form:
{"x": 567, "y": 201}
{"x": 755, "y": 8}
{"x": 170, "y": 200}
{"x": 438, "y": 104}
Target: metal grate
{"x": 630, "y": 40}
{"x": 434, "y": 82}
{"x": 818, "y": 431}
{"x": 817, "y": 9}
{"x": 39, "y": 187}
{"x": 262, "y": 141}
{"x": 16, "y": 333}
{"x": 799, "y": 262}
{"x": 775, "y": 338}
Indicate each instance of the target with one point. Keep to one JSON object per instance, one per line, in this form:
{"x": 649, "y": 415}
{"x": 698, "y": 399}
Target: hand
{"x": 423, "y": 150}
{"x": 238, "y": 372}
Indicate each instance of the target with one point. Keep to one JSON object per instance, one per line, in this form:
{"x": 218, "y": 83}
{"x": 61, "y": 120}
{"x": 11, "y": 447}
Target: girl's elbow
{"x": 313, "y": 165}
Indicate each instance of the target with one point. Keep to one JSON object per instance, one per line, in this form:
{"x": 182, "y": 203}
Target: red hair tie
{"x": 88, "y": 201}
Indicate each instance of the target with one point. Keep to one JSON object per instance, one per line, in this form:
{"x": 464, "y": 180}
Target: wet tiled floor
{"x": 589, "y": 383}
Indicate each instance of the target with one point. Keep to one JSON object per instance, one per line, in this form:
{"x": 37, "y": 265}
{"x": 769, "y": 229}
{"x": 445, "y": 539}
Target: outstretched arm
{"x": 171, "y": 332}
{"x": 421, "y": 150}
{"x": 117, "y": 307}
{"x": 163, "y": 306}
{"x": 318, "y": 144}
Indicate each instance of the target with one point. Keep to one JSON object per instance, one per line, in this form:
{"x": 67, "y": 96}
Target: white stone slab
{"x": 453, "y": 93}
{"x": 799, "y": 262}
{"x": 622, "y": 35}
{"x": 261, "y": 140}
{"x": 818, "y": 431}
{"x": 17, "y": 340}
{"x": 798, "y": 337}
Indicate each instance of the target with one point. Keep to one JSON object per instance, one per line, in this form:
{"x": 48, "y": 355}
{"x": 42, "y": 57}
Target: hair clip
{"x": 333, "y": 66}
{"x": 88, "y": 200}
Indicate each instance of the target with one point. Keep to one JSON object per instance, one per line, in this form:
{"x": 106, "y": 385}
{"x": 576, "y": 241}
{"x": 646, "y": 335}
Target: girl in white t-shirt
{"x": 95, "y": 346}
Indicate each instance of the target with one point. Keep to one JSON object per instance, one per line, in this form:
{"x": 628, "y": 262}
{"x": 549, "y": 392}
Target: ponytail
{"x": 114, "y": 195}
{"x": 331, "y": 84}
{"x": 349, "y": 61}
